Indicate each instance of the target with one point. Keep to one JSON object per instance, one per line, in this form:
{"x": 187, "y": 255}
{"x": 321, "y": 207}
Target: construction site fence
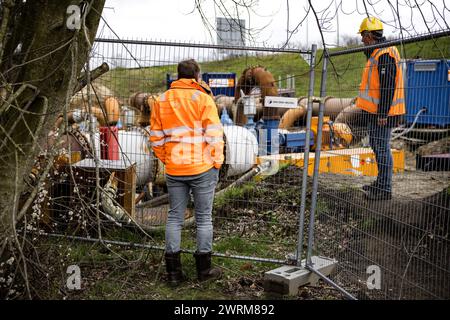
{"x": 274, "y": 209}
{"x": 107, "y": 178}
{"x": 387, "y": 246}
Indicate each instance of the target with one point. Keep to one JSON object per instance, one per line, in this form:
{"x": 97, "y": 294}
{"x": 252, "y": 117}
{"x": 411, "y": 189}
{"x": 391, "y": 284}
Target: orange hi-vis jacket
{"x": 185, "y": 129}
{"x": 369, "y": 90}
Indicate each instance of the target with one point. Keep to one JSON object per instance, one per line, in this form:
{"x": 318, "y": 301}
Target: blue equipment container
{"x": 428, "y": 86}
{"x": 296, "y": 141}
{"x": 221, "y": 82}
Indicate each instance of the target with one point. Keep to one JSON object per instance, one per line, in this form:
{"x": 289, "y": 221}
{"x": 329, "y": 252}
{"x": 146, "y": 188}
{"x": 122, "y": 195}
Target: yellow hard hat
{"x": 370, "y": 24}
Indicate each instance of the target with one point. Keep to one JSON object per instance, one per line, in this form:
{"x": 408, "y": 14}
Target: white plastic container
{"x": 241, "y": 150}
{"x": 134, "y": 146}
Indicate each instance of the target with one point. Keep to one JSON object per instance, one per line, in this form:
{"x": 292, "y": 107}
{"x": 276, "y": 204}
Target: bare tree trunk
{"x": 41, "y": 61}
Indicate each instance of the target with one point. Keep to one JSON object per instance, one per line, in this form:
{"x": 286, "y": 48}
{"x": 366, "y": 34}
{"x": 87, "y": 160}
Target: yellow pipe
{"x": 288, "y": 119}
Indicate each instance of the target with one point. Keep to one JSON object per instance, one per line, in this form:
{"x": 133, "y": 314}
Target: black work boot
{"x": 173, "y": 266}
{"x": 204, "y": 270}
{"x": 370, "y": 187}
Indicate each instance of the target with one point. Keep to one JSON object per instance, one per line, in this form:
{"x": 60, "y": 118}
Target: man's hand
{"x": 382, "y": 122}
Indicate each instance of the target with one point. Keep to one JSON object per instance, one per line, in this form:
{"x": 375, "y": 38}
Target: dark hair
{"x": 188, "y": 69}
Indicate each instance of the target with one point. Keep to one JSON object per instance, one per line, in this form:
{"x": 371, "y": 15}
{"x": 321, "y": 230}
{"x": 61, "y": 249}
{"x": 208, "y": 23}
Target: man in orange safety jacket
{"x": 381, "y": 96}
{"x": 187, "y": 136}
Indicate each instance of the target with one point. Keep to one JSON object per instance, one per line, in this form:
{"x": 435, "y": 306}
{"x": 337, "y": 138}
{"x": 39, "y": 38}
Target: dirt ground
{"x": 407, "y": 237}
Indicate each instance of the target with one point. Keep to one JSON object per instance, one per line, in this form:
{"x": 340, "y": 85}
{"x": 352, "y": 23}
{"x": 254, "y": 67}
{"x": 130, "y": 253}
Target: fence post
{"x": 301, "y": 219}
{"x": 318, "y": 146}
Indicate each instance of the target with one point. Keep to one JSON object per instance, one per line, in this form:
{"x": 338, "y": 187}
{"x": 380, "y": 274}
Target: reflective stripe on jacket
{"x": 369, "y": 90}
{"x": 186, "y": 133}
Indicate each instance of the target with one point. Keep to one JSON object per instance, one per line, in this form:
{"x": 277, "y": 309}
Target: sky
{"x": 177, "y": 20}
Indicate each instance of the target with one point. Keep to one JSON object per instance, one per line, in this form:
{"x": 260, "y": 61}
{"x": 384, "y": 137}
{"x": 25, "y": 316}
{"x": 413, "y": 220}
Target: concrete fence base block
{"x": 287, "y": 279}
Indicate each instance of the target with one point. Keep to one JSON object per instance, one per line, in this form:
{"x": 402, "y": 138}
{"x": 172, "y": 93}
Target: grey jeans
{"x": 202, "y": 186}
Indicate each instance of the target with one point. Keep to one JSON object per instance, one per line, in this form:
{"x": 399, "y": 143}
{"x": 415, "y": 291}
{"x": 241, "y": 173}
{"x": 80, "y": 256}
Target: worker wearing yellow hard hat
{"x": 381, "y": 97}
{"x": 370, "y": 24}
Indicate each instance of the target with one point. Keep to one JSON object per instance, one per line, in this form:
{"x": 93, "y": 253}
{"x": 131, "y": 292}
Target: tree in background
{"x": 43, "y": 47}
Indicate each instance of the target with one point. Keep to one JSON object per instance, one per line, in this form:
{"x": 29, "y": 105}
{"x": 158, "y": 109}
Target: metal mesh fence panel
{"x": 108, "y": 179}
{"x": 390, "y": 238}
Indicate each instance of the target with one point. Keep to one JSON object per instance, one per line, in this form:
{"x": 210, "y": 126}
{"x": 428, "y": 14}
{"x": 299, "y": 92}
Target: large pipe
{"x": 107, "y": 115}
{"x": 98, "y": 93}
{"x": 112, "y": 110}
{"x": 341, "y": 129}
{"x": 292, "y": 115}
{"x": 142, "y": 102}
{"x": 258, "y": 76}
{"x": 333, "y": 106}
{"x": 79, "y": 114}
{"x": 223, "y": 101}
{"x": 353, "y": 117}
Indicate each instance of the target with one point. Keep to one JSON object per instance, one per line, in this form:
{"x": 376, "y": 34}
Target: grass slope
{"x": 344, "y": 72}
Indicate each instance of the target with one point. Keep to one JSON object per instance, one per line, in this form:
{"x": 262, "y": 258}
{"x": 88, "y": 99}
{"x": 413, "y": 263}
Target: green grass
{"x": 237, "y": 193}
{"x": 341, "y": 82}
{"x": 119, "y": 272}
{"x": 241, "y": 246}
{"x": 125, "y": 82}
